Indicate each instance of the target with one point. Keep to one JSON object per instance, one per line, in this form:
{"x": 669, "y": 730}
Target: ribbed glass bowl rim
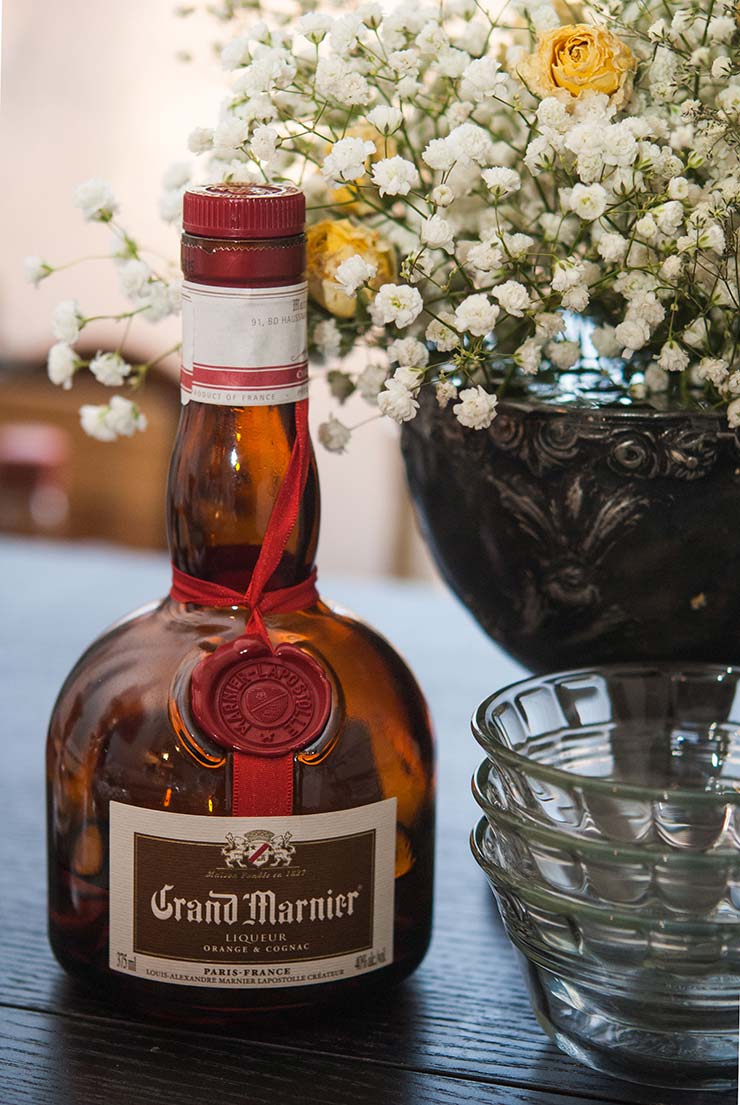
{"x": 496, "y": 750}
{"x": 555, "y": 902}
{"x": 590, "y": 846}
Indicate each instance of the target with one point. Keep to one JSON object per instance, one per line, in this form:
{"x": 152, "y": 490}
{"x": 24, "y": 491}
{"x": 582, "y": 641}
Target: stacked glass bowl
{"x": 611, "y": 839}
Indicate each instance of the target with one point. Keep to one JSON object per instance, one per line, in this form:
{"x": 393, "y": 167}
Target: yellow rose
{"x": 577, "y": 59}
{"x": 332, "y": 241}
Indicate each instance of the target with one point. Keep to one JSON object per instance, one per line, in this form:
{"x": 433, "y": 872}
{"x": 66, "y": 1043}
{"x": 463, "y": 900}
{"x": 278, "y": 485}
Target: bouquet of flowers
{"x": 544, "y": 192}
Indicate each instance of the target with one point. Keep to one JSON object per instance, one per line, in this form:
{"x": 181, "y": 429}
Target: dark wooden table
{"x": 460, "y": 1030}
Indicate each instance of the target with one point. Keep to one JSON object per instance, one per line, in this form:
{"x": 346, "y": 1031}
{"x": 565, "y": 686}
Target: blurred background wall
{"x": 96, "y": 89}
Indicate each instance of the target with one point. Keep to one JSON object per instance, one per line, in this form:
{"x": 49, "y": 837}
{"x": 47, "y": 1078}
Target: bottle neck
{"x": 244, "y": 370}
{"x": 227, "y": 467}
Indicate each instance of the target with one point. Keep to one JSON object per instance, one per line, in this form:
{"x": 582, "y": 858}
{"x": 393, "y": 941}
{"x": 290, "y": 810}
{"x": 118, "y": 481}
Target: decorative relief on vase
{"x": 678, "y": 451}
{"x": 570, "y": 529}
{"x": 583, "y": 535}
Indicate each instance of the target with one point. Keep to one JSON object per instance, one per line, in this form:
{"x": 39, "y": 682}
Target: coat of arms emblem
{"x": 259, "y": 848}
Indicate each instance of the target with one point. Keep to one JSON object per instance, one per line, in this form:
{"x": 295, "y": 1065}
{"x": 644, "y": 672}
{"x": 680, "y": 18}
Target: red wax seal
{"x": 264, "y": 703}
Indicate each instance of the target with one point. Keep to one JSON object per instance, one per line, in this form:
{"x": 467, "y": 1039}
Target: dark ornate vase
{"x": 582, "y": 534}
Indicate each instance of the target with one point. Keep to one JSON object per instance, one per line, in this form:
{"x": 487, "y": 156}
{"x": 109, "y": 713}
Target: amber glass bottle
{"x": 204, "y": 860}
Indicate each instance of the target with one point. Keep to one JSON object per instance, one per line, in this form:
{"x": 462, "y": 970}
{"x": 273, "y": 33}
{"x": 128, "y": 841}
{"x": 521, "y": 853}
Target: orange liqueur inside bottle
{"x": 240, "y": 805}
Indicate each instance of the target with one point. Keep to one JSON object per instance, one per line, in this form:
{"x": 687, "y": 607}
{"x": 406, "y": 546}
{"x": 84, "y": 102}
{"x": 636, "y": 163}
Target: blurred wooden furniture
{"x": 34, "y": 462}
{"x": 113, "y": 492}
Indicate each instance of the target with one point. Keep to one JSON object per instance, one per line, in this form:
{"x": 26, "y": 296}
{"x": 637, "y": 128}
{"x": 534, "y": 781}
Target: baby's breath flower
{"x": 410, "y": 378}
{"x": 715, "y": 370}
{"x": 470, "y": 142}
{"x": 395, "y": 176}
{"x": 354, "y": 272}
{"x": 62, "y": 364}
{"x": 588, "y": 201}
{"x": 697, "y": 334}
{"x": 200, "y": 140}
{"x": 67, "y": 320}
{"x": 721, "y": 68}
{"x": 481, "y": 79}
{"x": 236, "y": 53}
{"x": 452, "y": 62}
{"x": 445, "y": 391}
{"x": 398, "y": 304}
{"x": 35, "y": 270}
{"x": 672, "y": 358}
{"x": 529, "y": 356}
{"x": 133, "y": 275}
{"x": 314, "y": 26}
{"x": 656, "y": 378}
{"x": 109, "y": 369}
{"x": 397, "y": 402}
{"x": 605, "y": 341}
{"x": 502, "y": 182}
{"x": 96, "y": 200}
{"x": 485, "y": 257}
{"x": 327, "y": 339}
{"x": 119, "y": 418}
{"x": 721, "y": 28}
{"x": 438, "y": 233}
{"x": 347, "y": 159}
{"x": 513, "y": 298}
{"x": 340, "y": 384}
{"x": 442, "y": 195}
{"x": 339, "y": 82}
{"x": 632, "y": 335}
{"x": 385, "y": 119}
{"x": 612, "y": 247}
{"x": 476, "y": 408}
{"x": 230, "y": 134}
{"x": 370, "y": 381}
{"x": 408, "y": 352}
{"x": 476, "y": 315}
{"x": 157, "y": 301}
{"x": 548, "y": 325}
{"x": 170, "y": 205}
{"x": 177, "y": 175}
{"x": 564, "y": 354}
{"x": 440, "y": 334}
{"x": 439, "y": 155}
{"x": 264, "y": 143}
{"x": 334, "y": 435}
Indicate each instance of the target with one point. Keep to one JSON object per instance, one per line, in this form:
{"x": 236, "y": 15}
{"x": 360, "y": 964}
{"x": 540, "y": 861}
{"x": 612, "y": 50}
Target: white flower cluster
{"x": 513, "y": 194}
{"x": 151, "y": 297}
{"x": 512, "y": 207}
{"x": 119, "y": 418}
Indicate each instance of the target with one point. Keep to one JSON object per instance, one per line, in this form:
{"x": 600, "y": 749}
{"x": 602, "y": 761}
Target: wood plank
{"x": 465, "y": 1014}
{"x": 67, "y": 1061}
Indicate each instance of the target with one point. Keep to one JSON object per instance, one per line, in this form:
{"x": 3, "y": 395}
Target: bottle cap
{"x": 244, "y": 211}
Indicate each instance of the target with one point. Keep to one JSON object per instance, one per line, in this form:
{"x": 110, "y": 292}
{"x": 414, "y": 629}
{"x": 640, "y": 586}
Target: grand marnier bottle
{"x": 240, "y": 776}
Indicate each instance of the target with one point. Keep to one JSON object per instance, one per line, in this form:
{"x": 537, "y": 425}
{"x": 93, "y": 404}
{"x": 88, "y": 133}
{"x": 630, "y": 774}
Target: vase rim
{"x": 625, "y": 413}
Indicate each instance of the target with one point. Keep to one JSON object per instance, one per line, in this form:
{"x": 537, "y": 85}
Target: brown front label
{"x": 258, "y": 902}
{"x": 258, "y": 897}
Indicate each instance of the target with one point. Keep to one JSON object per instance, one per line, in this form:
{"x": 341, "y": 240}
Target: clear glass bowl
{"x": 640, "y": 755}
{"x": 646, "y": 999}
{"x": 657, "y": 879}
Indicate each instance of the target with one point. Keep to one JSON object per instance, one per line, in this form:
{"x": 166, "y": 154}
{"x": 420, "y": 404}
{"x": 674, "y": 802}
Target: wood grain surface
{"x": 460, "y": 1030}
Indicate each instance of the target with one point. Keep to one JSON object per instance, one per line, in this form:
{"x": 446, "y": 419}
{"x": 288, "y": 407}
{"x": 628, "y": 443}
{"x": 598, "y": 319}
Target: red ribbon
{"x": 283, "y": 517}
{"x": 187, "y": 588}
{"x": 263, "y": 786}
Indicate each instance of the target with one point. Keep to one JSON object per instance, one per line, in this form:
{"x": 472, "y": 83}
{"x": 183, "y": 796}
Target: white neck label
{"x": 244, "y": 347}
